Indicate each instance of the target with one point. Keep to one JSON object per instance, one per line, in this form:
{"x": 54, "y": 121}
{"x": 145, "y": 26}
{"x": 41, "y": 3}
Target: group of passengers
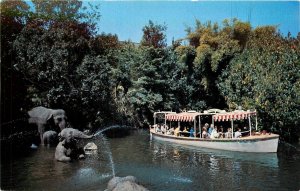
{"x": 212, "y": 132}
{"x": 164, "y": 129}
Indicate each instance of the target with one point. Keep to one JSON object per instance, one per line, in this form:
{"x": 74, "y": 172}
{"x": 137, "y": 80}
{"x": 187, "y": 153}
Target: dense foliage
{"x": 266, "y": 77}
{"x": 53, "y": 57}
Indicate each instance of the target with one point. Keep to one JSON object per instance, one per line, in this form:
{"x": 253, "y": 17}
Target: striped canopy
{"x": 185, "y": 116}
{"x": 236, "y": 115}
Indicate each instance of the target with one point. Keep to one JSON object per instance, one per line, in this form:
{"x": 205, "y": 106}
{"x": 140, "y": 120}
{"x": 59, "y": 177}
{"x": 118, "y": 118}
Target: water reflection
{"x": 213, "y": 169}
{"x": 264, "y": 159}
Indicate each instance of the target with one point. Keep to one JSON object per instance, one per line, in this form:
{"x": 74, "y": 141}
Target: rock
{"x": 90, "y": 148}
{"x": 127, "y": 183}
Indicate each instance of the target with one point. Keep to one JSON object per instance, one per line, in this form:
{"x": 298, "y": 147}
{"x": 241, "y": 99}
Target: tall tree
{"x": 67, "y": 10}
{"x": 57, "y": 9}
{"x": 13, "y": 18}
{"x": 154, "y": 35}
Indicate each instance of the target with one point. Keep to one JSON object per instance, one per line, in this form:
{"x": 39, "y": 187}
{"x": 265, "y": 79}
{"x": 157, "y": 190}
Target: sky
{"x": 127, "y": 18}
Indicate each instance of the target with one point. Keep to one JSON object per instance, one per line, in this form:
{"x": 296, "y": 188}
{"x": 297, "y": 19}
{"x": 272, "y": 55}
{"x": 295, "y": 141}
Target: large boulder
{"x": 127, "y": 183}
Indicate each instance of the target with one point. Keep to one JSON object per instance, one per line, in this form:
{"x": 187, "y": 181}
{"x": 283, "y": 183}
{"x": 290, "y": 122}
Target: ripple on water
{"x": 157, "y": 166}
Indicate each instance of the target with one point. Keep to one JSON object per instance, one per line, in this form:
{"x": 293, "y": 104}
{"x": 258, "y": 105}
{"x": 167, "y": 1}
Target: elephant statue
{"x": 124, "y": 183}
{"x": 43, "y": 117}
{"x": 76, "y": 134}
{"x": 67, "y": 149}
{"x": 50, "y": 138}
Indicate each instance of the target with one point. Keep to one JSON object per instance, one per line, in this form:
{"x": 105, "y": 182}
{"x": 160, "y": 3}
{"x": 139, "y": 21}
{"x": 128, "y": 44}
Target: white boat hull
{"x": 256, "y": 144}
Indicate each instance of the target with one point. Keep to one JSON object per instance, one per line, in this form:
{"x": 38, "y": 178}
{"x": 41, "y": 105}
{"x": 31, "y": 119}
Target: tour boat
{"x": 254, "y": 141}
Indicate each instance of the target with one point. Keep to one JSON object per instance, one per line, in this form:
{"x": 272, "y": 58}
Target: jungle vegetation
{"x": 53, "y": 56}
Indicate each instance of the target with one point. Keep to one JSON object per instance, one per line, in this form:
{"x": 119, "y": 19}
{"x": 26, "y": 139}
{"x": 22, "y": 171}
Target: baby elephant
{"x": 64, "y": 148}
{"x": 75, "y": 133}
{"x": 50, "y": 138}
{"x": 67, "y": 150}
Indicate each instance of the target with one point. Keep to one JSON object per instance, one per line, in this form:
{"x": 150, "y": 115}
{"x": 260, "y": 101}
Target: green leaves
{"x": 97, "y": 79}
{"x": 266, "y": 77}
{"x": 154, "y": 35}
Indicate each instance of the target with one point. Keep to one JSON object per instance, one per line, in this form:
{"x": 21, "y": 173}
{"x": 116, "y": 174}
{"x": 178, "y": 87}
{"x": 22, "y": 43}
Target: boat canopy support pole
{"x": 232, "y": 128}
{"x": 256, "y": 122}
{"x": 165, "y": 123}
{"x": 200, "y": 135}
{"x": 250, "y": 124}
{"x": 195, "y": 126}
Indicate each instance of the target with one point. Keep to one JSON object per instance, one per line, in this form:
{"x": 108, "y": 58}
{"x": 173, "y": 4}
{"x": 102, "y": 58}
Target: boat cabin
{"x": 197, "y": 121}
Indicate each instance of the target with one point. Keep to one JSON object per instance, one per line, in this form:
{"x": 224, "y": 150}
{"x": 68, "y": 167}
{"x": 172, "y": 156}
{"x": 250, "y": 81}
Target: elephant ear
{"x": 58, "y": 113}
{"x": 40, "y": 115}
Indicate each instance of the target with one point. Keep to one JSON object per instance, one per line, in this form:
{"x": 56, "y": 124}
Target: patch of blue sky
{"x": 127, "y": 18}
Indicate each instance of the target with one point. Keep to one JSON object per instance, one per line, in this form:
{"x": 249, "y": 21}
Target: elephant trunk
{"x": 84, "y": 136}
{"x": 62, "y": 125}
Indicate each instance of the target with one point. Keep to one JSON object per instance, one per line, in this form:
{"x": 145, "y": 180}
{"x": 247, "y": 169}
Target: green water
{"x": 157, "y": 166}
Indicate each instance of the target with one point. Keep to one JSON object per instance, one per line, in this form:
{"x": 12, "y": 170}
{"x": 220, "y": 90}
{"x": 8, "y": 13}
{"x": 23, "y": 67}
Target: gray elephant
{"x": 75, "y": 133}
{"x": 124, "y": 183}
{"x": 42, "y": 117}
{"x": 67, "y": 149}
{"x": 50, "y": 138}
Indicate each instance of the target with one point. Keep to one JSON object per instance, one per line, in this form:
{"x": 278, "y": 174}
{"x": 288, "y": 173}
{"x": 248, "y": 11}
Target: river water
{"x": 157, "y": 166}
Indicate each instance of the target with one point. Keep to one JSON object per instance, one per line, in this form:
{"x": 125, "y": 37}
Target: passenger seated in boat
{"x": 211, "y": 128}
{"x": 206, "y": 126}
{"x": 176, "y": 131}
{"x": 166, "y": 126}
{"x": 170, "y": 131}
{"x": 157, "y": 128}
{"x": 228, "y": 133}
{"x": 192, "y": 132}
{"x": 238, "y": 133}
{"x": 214, "y": 133}
{"x": 163, "y": 129}
{"x": 204, "y": 132}
{"x": 185, "y": 130}
{"x": 220, "y": 131}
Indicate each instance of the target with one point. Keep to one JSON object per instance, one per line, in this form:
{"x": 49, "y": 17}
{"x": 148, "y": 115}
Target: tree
{"x": 265, "y": 76}
{"x": 185, "y": 82}
{"x": 65, "y": 10}
{"x": 154, "y": 35}
{"x": 60, "y": 9}
{"x": 145, "y": 94}
{"x": 13, "y": 17}
{"x": 213, "y": 48}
